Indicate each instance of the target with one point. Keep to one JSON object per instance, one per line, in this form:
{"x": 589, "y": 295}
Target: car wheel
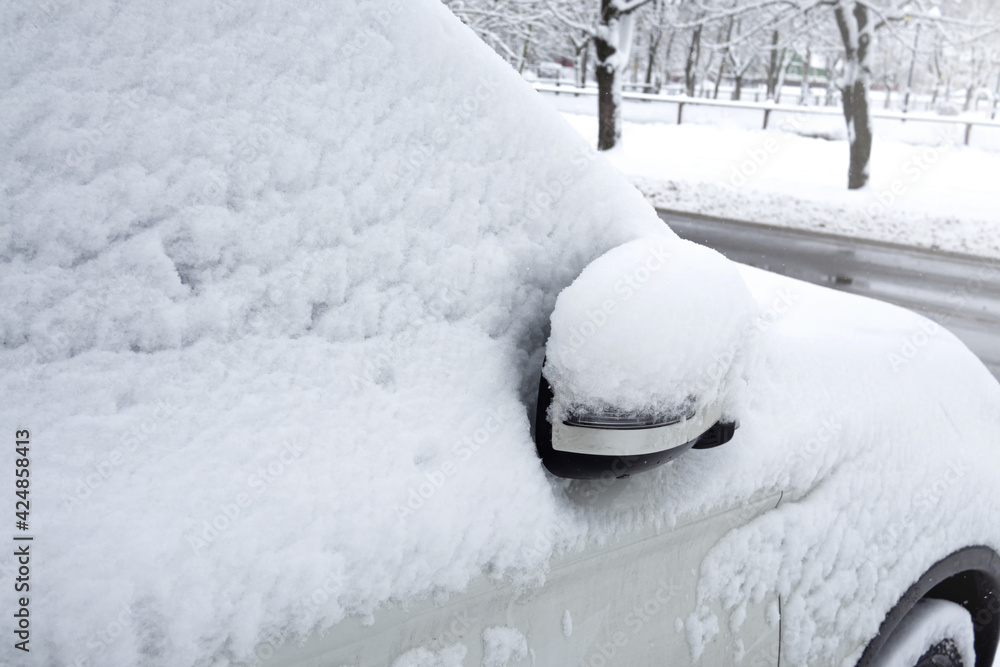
{"x": 942, "y": 654}
{"x": 935, "y": 633}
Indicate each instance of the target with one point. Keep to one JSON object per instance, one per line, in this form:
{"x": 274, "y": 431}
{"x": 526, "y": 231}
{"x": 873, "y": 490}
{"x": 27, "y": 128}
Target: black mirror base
{"x": 574, "y": 465}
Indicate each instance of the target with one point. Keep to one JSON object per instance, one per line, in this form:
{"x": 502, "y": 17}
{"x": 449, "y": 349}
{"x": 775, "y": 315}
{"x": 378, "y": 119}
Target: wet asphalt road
{"x": 961, "y": 292}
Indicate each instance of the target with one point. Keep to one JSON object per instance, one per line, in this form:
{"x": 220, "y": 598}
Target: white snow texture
{"x": 267, "y": 269}
{"x": 276, "y": 280}
{"x": 684, "y": 310}
{"x": 504, "y": 647}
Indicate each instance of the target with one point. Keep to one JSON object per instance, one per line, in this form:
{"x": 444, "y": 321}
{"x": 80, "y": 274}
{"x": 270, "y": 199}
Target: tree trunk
{"x": 725, "y": 57}
{"x": 772, "y": 67}
{"x": 738, "y": 89}
{"x": 779, "y": 84}
{"x": 856, "y": 34}
{"x": 804, "y": 90}
{"x": 608, "y": 105}
{"x": 702, "y": 73}
{"x": 584, "y": 64}
{"x": 831, "y": 83}
{"x": 666, "y": 58}
{"x": 690, "y": 67}
{"x": 612, "y": 43}
{"x": 524, "y": 52}
{"x": 938, "y": 78}
{"x": 654, "y": 46}
{"x": 968, "y": 96}
{"x": 718, "y": 78}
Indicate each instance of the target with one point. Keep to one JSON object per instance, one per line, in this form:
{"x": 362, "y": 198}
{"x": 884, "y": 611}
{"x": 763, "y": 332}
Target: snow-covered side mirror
{"x": 643, "y": 360}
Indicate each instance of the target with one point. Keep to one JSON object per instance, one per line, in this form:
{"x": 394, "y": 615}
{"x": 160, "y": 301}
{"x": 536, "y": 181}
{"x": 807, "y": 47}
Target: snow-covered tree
{"x": 612, "y": 38}
{"x": 757, "y": 40}
{"x": 855, "y": 26}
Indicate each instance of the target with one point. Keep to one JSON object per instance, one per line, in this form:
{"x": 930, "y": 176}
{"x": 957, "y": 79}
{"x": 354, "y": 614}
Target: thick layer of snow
{"x": 898, "y": 465}
{"x": 504, "y": 647}
{"x": 684, "y": 311}
{"x": 276, "y": 282}
{"x": 939, "y": 195}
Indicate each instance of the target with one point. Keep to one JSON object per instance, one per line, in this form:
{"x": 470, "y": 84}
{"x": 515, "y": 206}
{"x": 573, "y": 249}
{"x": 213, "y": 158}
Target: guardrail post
{"x": 680, "y": 109}
{"x": 767, "y": 114}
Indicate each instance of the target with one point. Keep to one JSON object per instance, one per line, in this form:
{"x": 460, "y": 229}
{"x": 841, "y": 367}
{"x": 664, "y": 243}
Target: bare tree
{"x": 756, "y": 39}
{"x": 855, "y": 27}
{"x": 612, "y": 38}
{"x": 693, "y": 56}
{"x": 511, "y": 27}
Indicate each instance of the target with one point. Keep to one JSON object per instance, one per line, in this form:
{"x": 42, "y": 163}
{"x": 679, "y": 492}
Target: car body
{"x": 641, "y": 596}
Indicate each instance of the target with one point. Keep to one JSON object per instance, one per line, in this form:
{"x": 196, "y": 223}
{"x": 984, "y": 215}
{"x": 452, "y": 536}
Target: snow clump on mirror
{"x": 648, "y": 328}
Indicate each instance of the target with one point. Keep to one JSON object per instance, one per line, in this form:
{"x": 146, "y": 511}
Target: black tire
{"x": 969, "y": 577}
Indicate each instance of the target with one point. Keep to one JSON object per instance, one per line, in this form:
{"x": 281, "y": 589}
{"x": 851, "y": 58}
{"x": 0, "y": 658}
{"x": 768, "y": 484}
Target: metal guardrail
{"x": 768, "y": 107}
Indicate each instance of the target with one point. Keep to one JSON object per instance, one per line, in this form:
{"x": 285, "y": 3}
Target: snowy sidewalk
{"x": 943, "y": 196}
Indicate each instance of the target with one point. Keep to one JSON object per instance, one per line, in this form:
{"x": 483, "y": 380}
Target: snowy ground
{"x": 939, "y": 195}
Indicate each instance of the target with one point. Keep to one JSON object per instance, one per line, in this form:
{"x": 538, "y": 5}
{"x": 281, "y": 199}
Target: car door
{"x": 630, "y": 602}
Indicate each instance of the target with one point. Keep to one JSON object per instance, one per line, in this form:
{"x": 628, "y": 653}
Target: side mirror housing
{"x": 642, "y": 359}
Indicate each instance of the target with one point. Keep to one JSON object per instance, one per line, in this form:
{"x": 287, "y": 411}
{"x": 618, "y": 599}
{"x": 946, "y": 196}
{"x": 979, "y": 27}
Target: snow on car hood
{"x": 276, "y": 282}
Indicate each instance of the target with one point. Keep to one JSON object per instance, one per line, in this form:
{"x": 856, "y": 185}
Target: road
{"x": 960, "y": 292}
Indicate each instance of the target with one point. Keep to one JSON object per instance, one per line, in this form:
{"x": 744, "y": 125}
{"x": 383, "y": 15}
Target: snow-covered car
{"x": 283, "y": 283}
